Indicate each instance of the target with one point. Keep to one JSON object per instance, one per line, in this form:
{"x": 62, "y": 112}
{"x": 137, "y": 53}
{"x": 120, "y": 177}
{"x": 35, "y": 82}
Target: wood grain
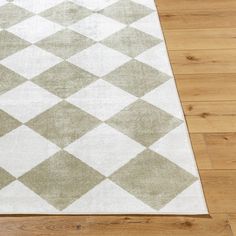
{"x": 203, "y": 61}
{"x": 221, "y": 150}
{"x": 219, "y": 108}
{"x": 219, "y": 188}
{"x": 200, "y": 150}
{"x": 206, "y": 87}
{"x": 116, "y": 226}
{"x": 189, "y": 39}
{"x": 211, "y": 124}
{"x": 198, "y": 19}
{"x": 232, "y": 221}
{"x": 200, "y": 35}
{"x": 165, "y": 5}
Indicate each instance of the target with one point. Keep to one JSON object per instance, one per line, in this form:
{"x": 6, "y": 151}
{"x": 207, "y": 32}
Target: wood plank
{"x": 203, "y": 61}
{"x": 221, "y": 150}
{"x": 115, "y": 226}
{"x": 201, "y": 39}
{"x": 220, "y": 191}
{"x": 200, "y": 151}
{"x": 219, "y": 108}
{"x": 216, "y": 116}
{"x": 198, "y": 19}
{"x": 232, "y": 221}
{"x": 206, "y": 87}
{"x": 206, "y": 123}
{"x": 218, "y": 184}
{"x": 215, "y": 150}
{"x": 166, "y": 5}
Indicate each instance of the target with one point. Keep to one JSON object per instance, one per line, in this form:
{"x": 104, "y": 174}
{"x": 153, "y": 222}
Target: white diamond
{"x": 146, "y": 3}
{"x": 34, "y": 29}
{"x": 190, "y": 201}
{"x": 105, "y": 149}
{"x": 26, "y": 101}
{"x": 175, "y": 146}
{"x": 166, "y": 98}
{"x": 97, "y": 27}
{"x": 17, "y": 198}
{"x": 101, "y": 99}
{"x": 31, "y": 61}
{"x": 107, "y": 197}
{"x": 3, "y": 2}
{"x": 157, "y": 57}
{"x": 95, "y": 5}
{"x": 22, "y": 149}
{"x": 99, "y": 59}
{"x": 37, "y": 6}
{"x": 149, "y": 25}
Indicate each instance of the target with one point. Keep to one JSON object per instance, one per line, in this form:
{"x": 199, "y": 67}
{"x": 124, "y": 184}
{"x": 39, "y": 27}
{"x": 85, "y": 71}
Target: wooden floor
{"x": 201, "y": 37}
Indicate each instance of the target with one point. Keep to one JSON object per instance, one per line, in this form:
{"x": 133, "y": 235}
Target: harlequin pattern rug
{"x": 90, "y": 119}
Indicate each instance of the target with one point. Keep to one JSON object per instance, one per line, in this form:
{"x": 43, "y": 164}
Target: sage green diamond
{"x": 131, "y": 42}
{"x": 63, "y": 123}
{"x": 11, "y": 14}
{"x": 64, "y": 79}
{"x": 66, "y": 13}
{"x": 65, "y": 43}
{"x": 61, "y": 179}
{"x": 136, "y": 78}
{"x": 9, "y": 79}
{"x": 5, "y": 178}
{"x": 9, "y": 44}
{"x": 126, "y": 11}
{"x": 7, "y": 123}
{"x": 153, "y": 179}
{"x": 144, "y": 122}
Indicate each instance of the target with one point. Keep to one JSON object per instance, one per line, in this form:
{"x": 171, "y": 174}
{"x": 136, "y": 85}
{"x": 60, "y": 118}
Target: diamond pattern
{"x": 97, "y": 59}
{"x": 11, "y": 14}
{"x": 90, "y": 119}
{"x": 10, "y": 44}
{"x": 34, "y": 29}
{"x": 9, "y": 79}
{"x": 121, "y": 11}
{"x": 63, "y": 124}
{"x": 26, "y": 101}
{"x": 66, "y": 13}
{"x": 131, "y": 42}
{"x": 144, "y": 122}
{"x": 151, "y": 166}
{"x": 64, "y": 79}
{"x": 31, "y": 202}
{"x": 67, "y": 179}
{"x": 108, "y": 197}
{"x": 100, "y": 99}
{"x": 95, "y": 5}
{"x": 35, "y": 61}
{"x": 37, "y": 6}
{"x": 157, "y": 57}
{"x": 166, "y": 98}
{"x": 97, "y": 27}
{"x": 29, "y": 150}
{"x": 5, "y": 178}
{"x": 136, "y": 78}
{"x": 113, "y": 153}
{"x": 147, "y": 3}
{"x": 65, "y": 43}
{"x": 7, "y": 122}
{"x": 149, "y": 25}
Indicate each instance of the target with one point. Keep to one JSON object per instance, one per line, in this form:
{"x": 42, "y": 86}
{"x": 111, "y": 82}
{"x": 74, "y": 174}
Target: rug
{"x": 90, "y": 119}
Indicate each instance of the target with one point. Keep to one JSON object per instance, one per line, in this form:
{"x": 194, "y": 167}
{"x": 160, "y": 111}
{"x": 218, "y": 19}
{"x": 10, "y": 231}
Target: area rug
{"x": 90, "y": 119}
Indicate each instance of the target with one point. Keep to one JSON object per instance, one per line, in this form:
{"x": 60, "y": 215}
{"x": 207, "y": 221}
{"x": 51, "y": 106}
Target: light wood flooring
{"x": 201, "y": 38}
